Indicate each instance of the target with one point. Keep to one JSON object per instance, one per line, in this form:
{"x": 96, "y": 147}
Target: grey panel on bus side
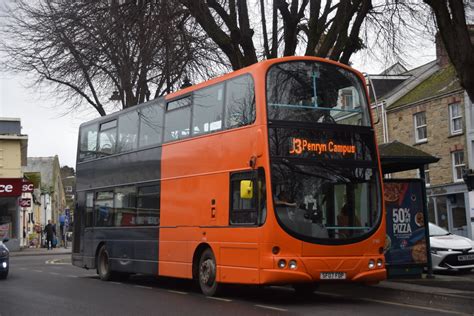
{"x": 131, "y": 249}
{"x": 129, "y": 168}
{"x": 123, "y": 243}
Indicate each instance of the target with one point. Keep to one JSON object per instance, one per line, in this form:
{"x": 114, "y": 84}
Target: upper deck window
{"x": 315, "y": 92}
{"x": 177, "y": 119}
{"x": 107, "y": 138}
{"x": 88, "y": 143}
{"x": 240, "y": 102}
{"x": 151, "y": 125}
{"x": 127, "y": 132}
{"x": 208, "y": 109}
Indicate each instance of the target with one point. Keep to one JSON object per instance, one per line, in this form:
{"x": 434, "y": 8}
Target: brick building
{"x": 427, "y": 108}
{"x": 13, "y": 151}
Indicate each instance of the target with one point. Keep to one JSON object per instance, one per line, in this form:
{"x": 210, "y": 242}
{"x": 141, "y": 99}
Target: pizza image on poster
{"x": 405, "y": 222}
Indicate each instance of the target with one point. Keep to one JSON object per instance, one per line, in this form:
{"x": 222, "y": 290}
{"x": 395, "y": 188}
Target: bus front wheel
{"x": 208, "y": 273}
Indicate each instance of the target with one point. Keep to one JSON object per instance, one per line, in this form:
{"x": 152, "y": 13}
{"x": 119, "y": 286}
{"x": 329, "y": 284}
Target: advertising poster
{"x": 4, "y": 231}
{"x": 406, "y": 242}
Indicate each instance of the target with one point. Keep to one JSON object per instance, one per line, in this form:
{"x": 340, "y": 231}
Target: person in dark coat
{"x": 49, "y": 231}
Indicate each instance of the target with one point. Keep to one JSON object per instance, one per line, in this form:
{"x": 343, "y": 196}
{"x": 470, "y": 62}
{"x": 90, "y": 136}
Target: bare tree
{"x": 323, "y": 28}
{"x": 451, "y": 20}
{"x": 89, "y": 49}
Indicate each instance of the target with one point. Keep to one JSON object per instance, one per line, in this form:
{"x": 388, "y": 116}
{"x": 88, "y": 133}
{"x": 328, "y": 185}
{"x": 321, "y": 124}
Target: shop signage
{"x": 10, "y": 187}
{"x": 405, "y": 243}
{"x": 25, "y": 202}
{"x": 27, "y": 187}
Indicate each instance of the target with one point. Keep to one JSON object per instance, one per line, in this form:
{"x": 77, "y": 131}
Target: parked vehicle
{"x": 4, "y": 259}
{"x": 449, "y": 251}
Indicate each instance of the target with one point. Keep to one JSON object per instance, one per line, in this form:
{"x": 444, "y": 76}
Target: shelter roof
{"x": 396, "y": 157}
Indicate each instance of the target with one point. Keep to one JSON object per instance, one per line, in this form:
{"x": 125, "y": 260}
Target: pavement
{"x": 40, "y": 252}
{"x": 453, "y": 291}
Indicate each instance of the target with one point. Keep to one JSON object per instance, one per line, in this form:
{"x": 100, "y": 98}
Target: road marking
{"x": 115, "y": 282}
{"x": 53, "y": 273}
{"x": 57, "y": 262}
{"x": 144, "y": 287}
{"x": 22, "y": 268}
{"x": 177, "y": 292}
{"x": 411, "y": 306}
{"x": 38, "y": 271}
{"x": 72, "y": 276}
{"x": 272, "y": 308}
{"x": 371, "y": 300}
{"x": 219, "y": 299}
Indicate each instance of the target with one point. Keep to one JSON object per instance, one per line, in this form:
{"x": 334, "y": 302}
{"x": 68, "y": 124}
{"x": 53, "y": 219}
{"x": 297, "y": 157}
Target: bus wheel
{"x": 208, "y": 273}
{"x": 103, "y": 265}
{"x": 305, "y": 289}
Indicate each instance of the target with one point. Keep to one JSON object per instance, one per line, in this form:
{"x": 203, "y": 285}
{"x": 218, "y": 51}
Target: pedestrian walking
{"x": 49, "y": 231}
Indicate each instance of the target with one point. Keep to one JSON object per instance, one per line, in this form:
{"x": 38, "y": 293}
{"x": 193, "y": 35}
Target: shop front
{"x": 10, "y": 192}
{"x": 449, "y": 208}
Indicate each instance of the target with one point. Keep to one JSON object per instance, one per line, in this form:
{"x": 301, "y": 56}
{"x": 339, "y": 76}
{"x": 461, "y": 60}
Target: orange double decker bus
{"x": 267, "y": 175}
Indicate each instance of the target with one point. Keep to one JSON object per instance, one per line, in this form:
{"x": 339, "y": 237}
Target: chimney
{"x": 441, "y": 54}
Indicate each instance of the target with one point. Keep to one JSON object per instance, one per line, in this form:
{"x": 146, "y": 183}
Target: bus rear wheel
{"x": 103, "y": 265}
{"x": 207, "y": 273}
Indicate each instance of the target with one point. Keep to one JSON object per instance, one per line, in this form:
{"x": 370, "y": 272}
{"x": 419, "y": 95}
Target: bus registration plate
{"x": 333, "y": 275}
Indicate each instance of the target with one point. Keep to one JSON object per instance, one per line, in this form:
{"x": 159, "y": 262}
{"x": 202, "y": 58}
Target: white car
{"x": 449, "y": 251}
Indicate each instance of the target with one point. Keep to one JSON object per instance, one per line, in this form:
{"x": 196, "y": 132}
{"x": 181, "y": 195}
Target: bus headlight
{"x": 371, "y": 264}
{"x": 292, "y": 264}
{"x": 281, "y": 263}
{"x": 379, "y": 263}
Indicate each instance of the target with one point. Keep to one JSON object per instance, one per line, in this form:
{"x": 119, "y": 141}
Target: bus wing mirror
{"x": 246, "y": 189}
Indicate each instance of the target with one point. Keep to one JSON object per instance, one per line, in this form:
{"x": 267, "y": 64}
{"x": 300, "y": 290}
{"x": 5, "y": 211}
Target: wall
{"x": 10, "y": 158}
{"x": 440, "y": 142}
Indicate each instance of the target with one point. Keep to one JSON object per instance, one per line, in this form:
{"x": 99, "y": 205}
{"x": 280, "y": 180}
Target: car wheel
{"x": 208, "y": 273}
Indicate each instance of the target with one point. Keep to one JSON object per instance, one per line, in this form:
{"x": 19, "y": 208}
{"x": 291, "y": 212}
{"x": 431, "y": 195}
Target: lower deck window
{"x": 124, "y": 206}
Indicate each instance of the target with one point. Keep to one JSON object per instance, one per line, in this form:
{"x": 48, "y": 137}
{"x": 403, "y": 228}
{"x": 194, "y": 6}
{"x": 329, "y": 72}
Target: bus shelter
{"x": 408, "y": 240}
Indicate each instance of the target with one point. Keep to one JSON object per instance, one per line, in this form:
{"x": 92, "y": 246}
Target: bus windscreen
{"x": 309, "y": 91}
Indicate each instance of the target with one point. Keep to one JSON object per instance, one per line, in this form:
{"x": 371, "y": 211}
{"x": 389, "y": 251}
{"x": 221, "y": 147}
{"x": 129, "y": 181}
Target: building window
{"x": 458, "y": 165}
{"x": 455, "y": 118}
{"x": 68, "y": 189}
{"x": 420, "y": 127}
{"x": 427, "y": 175}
